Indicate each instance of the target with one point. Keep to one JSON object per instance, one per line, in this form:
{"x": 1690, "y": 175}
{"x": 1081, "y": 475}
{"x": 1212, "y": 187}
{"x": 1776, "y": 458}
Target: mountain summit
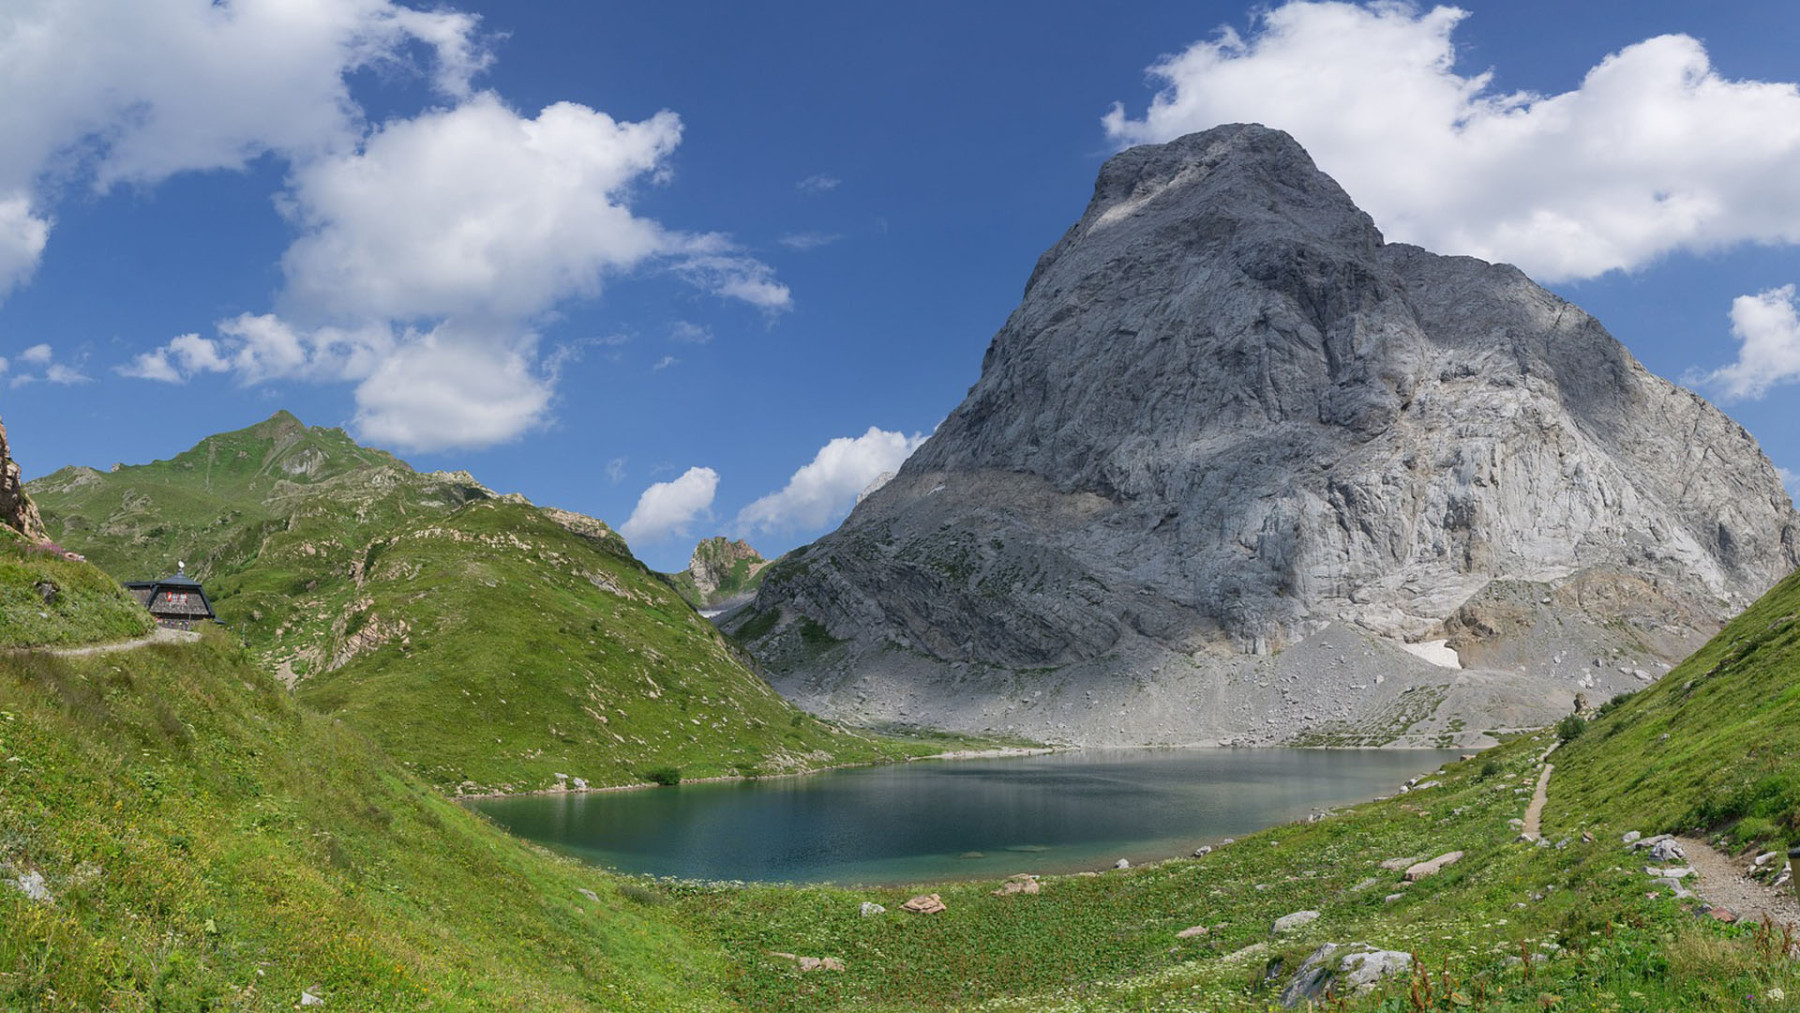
{"x": 1234, "y": 467}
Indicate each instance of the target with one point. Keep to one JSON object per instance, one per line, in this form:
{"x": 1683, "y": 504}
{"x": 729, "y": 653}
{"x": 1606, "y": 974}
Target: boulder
{"x": 1123, "y": 863}
{"x": 1291, "y": 922}
{"x": 1630, "y": 837}
{"x": 1024, "y": 882}
{"x": 1396, "y": 864}
{"x": 924, "y": 904}
{"x": 1667, "y": 850}
{"x": 870, "y": 909}
{"x": 1433, "y": 867}
{"x": 1362, "y": 971}
{"x": 1314, "y": 976}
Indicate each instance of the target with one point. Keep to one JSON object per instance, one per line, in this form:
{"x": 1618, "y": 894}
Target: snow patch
{"x": 1438, "y": 652}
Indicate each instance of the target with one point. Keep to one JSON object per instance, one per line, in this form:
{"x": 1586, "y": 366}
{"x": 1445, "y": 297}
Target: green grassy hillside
{"x": 202, "y": 843}
{"x": 47, "y": 599}
{"x": 487, "y": 643}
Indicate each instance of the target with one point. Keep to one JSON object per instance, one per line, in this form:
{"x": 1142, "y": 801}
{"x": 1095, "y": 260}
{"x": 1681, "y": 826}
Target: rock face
{"x": 16, "y": 509}
{"x": 721, "y": 574}
{"x": 1238, "y": 470}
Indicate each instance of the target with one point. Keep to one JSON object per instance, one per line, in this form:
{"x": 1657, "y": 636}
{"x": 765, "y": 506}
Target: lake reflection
{"x": 958, "y": 818}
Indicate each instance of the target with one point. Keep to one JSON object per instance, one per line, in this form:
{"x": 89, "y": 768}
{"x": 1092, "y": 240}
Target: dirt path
{"x": 1534, "y": 813}
{"x": 163, "y": 635}
{"x": 1723, "y": 881}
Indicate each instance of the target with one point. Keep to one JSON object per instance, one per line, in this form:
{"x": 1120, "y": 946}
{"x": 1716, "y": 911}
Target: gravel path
{"x": 163, "y": 635}
{"x": 1721, "y": 879}
{"x": 1534, "y": 813}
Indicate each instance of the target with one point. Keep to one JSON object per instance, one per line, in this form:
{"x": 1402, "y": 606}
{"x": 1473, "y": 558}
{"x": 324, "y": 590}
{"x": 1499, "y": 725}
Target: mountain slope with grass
{"x": 488, "y": 643}
{"x": 1571, "y": 922}
{"x": 177, "y": 834}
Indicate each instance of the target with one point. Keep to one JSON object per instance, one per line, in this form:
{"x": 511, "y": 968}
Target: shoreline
{"x": 998, "y": 753}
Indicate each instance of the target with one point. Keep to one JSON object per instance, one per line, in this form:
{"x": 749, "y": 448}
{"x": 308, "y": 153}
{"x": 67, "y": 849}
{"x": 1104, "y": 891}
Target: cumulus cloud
{"x": 427, "y": 251}
{"x": 441, "y": 390}
{"x": 474, "y": 210}
{"x": 104, "y": 91}
{"x": 1654, "y": 152}
{"x": 669, "y": 508}
{"x": 42, "y": 367}
{"x": 825, "y": 488}
{"x": 1767, "y": 328}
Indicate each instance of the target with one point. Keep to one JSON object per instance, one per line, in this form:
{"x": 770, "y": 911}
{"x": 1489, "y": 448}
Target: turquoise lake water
{"x": 956, "y": 819}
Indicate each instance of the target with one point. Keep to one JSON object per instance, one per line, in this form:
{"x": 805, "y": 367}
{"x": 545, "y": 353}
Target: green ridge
{"x": 487, "y": 643}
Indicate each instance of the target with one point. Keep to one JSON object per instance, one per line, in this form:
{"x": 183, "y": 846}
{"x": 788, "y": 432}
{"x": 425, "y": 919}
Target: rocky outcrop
{"x": 16, "y": 509}
{"x": 721, "y": 574}
{"x": 1238, "y": 470}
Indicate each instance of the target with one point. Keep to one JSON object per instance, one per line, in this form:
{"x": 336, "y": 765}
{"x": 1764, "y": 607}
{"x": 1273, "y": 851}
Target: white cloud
{"x": 668, "y": 508}
{"x": 43, "y": 357}
{"x": 1791, "y": 479}
{"x": 1654, "y": 152}
{"x": 446, "y": 236}
{"x": 804, "y": 241}
{"x": 22, "y": 238}
{"x": 664, "y": 363}
{"x": 444, "y": 390}
{"x": 818, "y": 183}
{"x": 475, "y": 211}
{"x": 4, "y": 365}
{"x": 826, "y": 488}
{"x": 1767, "y": 328}
{"x": 108, "y": 91}
{"x": 690, "y": 333}
{"x": 615, "y": 470}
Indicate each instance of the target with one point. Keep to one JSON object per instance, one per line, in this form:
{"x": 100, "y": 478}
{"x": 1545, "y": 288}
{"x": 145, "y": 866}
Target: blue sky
{"x": 707, "y": 269}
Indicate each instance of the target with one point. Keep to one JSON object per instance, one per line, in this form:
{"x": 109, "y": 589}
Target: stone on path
{"x": 924, "y": 904}
{"x": 1669, "y": 873}
{"x": 1290, "y": 922}
{"x": 1433, "y": 867}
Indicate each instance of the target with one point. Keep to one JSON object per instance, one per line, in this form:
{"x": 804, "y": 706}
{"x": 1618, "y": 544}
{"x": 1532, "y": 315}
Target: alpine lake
{"x": 956, "y": 819}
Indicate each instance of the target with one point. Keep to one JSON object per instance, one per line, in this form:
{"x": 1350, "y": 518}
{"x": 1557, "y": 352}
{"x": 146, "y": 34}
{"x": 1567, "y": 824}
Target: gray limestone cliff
{"x": 16, "y": 509}
{"x": 1237, "y": 470}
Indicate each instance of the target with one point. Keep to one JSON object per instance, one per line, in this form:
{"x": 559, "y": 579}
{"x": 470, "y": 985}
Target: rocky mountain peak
{"x": 1227, "y": 418}
{"x": 715, "y": 559}
{"x": 16, "y": 509}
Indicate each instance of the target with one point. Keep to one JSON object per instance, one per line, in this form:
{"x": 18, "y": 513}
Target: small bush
{"x": 1570, "y": 727}
{"x": 1489, "y": 769}
{"x": 668, "y": 777}
{"x": 638, "y": 893}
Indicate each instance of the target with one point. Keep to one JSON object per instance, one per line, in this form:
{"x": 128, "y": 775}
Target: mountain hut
{"x": 177, "y": 602}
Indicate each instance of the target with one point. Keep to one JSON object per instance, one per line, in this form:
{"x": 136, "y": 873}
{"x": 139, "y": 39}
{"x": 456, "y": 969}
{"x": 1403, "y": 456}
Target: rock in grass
{"x": 1024, "y": 882}
{"x": 1667, "y": 850}
{"x": 1630, "y": 837}
{"x": 924, "y": 904}
{"x": 1311, "y": 980}
{"x": 1290, "y": 922}
{"x": 870, "y": 909}
{"x": 1396, "y": 864}
{"x": 1203, "y": 851}
{"x": 589, "y": 894}
{"x": 1123, "y": 863}
{"x": 1362, "y": 971}
{"x": 32, "y": 885}
{"x": 1191, "y": 932}
{"x": 308, "y": 999}
{"x": 1392, "y": 898}
{"x": 1423, "y": 869}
